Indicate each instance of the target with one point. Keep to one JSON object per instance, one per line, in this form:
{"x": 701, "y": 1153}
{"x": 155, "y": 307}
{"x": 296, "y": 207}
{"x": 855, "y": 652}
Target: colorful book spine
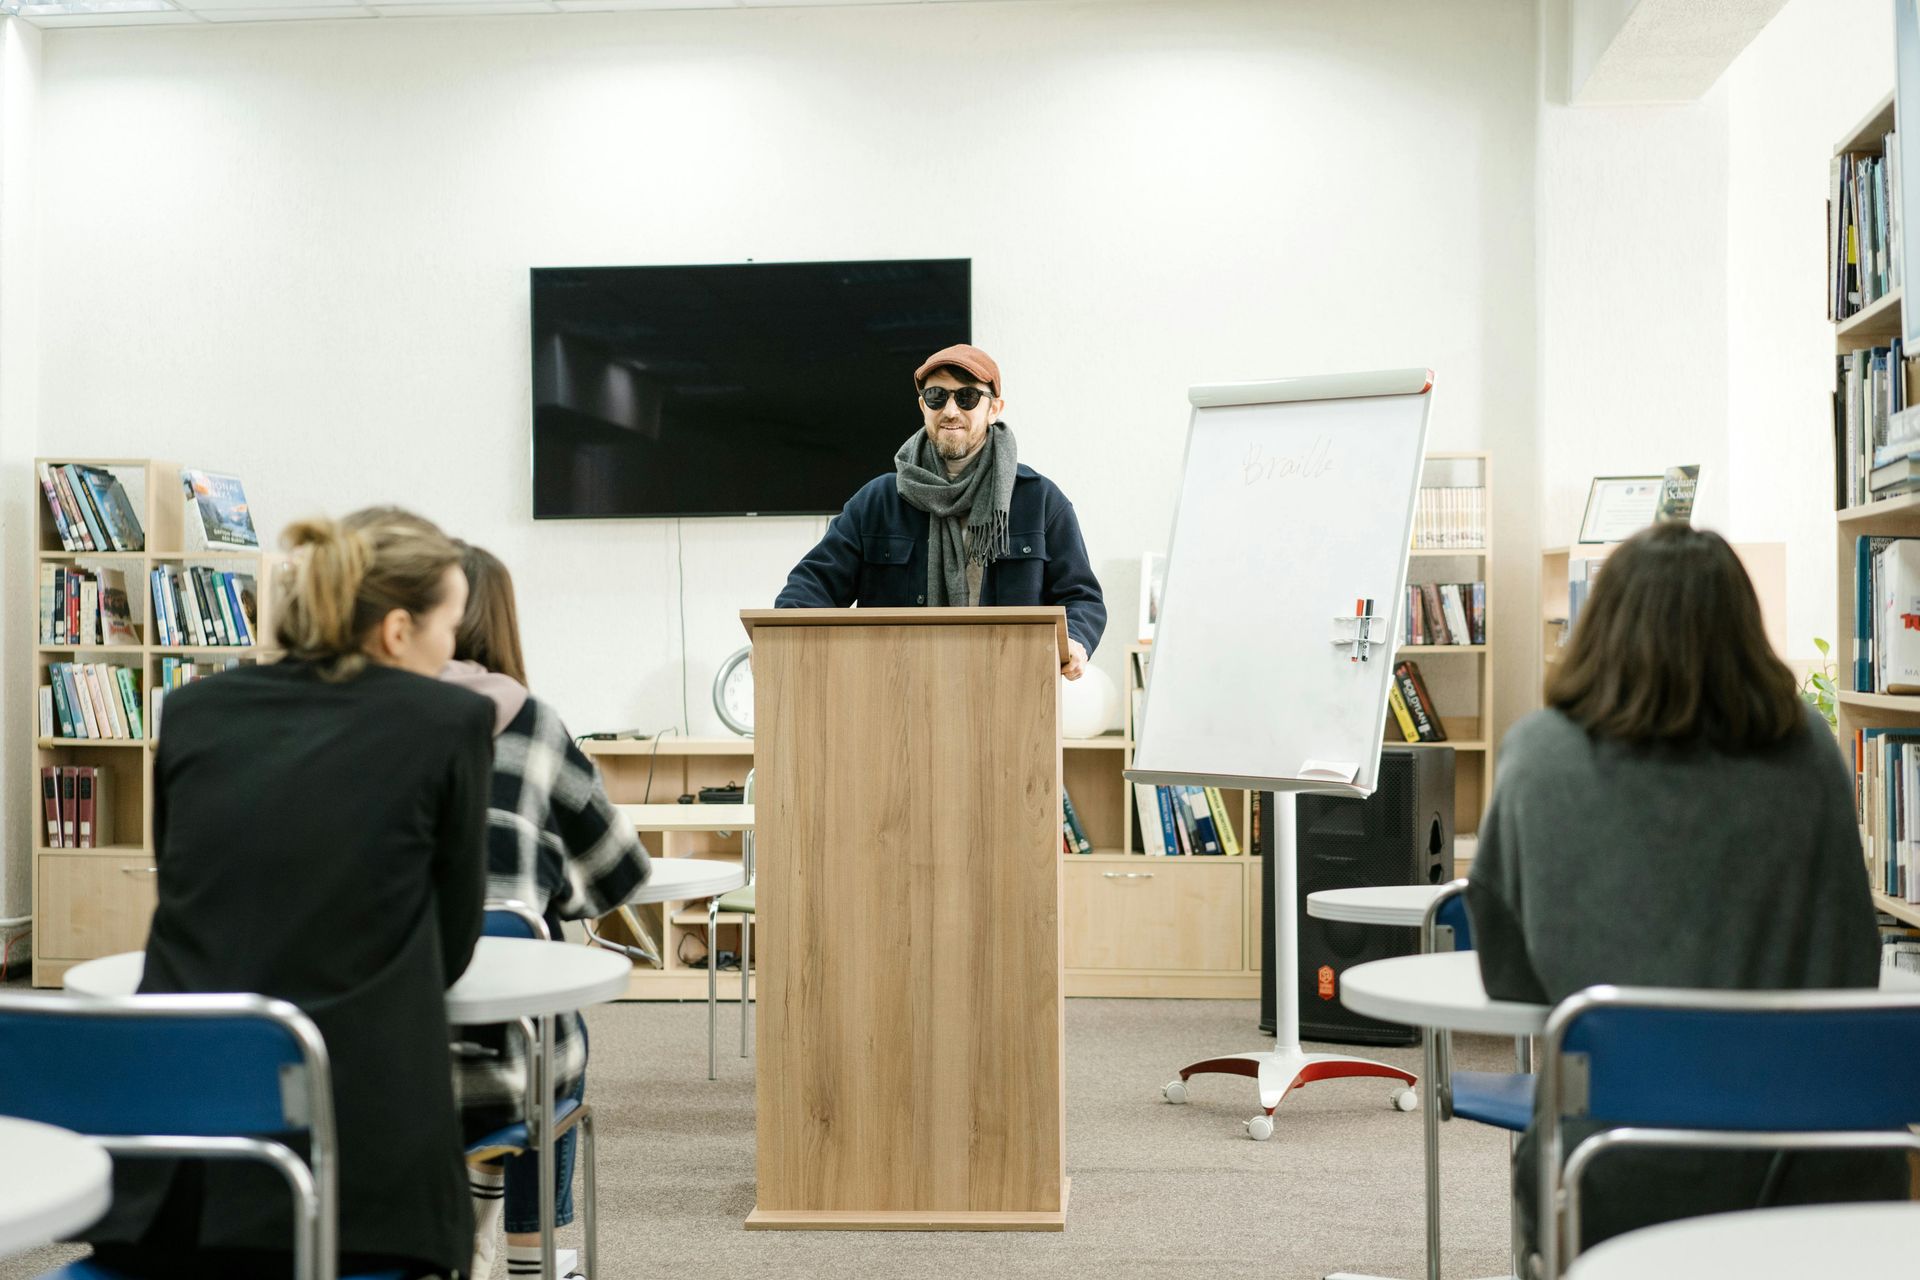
{"x": 1075, "y": 832}
{"x": 1172, "y": 831}
{"x": 1217, "y": 805}
{"x": 1206, "y": 841}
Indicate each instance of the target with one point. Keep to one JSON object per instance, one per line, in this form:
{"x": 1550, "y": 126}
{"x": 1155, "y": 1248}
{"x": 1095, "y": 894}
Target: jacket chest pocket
{"x": 885, "y": 564}
{"x": 1020, "y": 575}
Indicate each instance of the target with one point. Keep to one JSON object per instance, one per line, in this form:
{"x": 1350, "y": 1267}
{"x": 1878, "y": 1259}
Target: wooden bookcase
{"x": 1877, "y": 325}
{"x": 95, "y": 902}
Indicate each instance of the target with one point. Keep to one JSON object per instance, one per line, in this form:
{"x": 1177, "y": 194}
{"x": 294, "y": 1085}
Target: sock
{"x": 523, "y": 1260}
{"x": 488, "y": 1186}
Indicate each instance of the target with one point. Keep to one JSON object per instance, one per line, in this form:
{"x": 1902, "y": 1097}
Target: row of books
{"x": 1863, "y": 230}
{"x": 203, "y": 607}
{"x": 1073, "y": 836}
{"x": 1876, "y": 441}
{"x": 90, "y": 700}
{"x": 84, "y": 607}
{"x": 1412, "y": 705}
{"x": 1450, "y": 519}
{"x": 1184, "y": 822}
{"x": 176, "y": 672}
{"x": 1887, "y": 798}
{"x": 1900, "y": 948}
{"x": 91, "y": 511}
{"x": 1581, "y": 574}
{"x": 74, "y": 804}
{"x": 1886, "y": 615}
{"x": 1445, "y": 613}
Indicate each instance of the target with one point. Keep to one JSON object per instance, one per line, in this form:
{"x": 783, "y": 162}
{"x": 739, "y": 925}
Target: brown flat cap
{"x": 961, "y": 356}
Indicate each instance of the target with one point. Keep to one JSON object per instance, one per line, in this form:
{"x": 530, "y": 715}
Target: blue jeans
{"x": 522, "y": 1210}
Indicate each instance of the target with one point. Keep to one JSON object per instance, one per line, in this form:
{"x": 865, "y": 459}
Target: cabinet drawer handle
{"x": 1126, "y": 875}
{"x": 139, "y": 871}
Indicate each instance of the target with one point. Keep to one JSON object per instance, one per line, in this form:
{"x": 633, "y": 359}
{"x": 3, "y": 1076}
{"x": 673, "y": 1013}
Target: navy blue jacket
{"x": 875, "y": 554}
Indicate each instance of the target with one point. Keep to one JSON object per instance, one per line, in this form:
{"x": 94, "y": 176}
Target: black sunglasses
{"x": 965, "y": 397}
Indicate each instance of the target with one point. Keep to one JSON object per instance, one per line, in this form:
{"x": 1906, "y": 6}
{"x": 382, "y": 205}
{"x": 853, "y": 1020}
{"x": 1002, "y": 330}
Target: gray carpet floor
{"x": 1158, "y": 1190}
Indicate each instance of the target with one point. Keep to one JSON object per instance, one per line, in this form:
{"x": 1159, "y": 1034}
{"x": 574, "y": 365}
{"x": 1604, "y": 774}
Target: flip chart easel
{"x": 1296, "y": 503}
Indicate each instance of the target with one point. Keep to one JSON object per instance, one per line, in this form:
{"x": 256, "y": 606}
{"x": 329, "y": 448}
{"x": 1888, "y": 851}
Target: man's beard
{"x": 953, "y": 450}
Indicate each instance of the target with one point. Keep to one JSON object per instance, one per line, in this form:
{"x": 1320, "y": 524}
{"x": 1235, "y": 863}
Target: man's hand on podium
{"x": 1076, "y": 664}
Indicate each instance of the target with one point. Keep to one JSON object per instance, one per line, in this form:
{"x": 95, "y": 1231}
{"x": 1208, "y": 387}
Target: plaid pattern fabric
{"x": 554, "y": 842}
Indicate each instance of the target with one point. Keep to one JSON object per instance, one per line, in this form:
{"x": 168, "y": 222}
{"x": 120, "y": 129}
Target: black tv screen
{"x": 741, "y": 389}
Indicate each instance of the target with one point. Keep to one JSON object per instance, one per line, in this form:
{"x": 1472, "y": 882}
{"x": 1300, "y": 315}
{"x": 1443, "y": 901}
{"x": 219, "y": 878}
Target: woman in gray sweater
{"x": 1675, "y": 817}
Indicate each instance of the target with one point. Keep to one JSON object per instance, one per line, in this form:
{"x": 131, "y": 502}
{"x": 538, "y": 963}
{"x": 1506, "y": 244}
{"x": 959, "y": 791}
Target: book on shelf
{"x": 1070, "y": 820}
{"x": 1896, "y": 648}
{"x": 1445, "y": 613}
{"x": 178, "y": 672}
{"x": 1146, "y": 813}
{"x": 203, "y": 607}
{"x": 1872, "y": 428}
{"x": 91, "y": 509}
{"x": 1887, "y": 799}
{"x": 1222, "y": 825}
{"x": 1401, "y": 715}
{"x": 1413, "y": 691}
{"x": 74, "y": 808}
{"x": 1863, "y": 254}
{"x": 1450, "y": 518}
{"x": 84, "y": 607}
{"x": 1182, "y": 821}
{"x": 217, "y": 514}
{"x": 1206, "y": 839}
{"x": 1868, "y": 562}
{"x": 95, "y": 700}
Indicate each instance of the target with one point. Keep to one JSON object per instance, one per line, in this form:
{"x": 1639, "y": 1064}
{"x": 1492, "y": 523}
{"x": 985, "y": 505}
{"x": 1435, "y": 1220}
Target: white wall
{"x": 1808, "y": 79}
{"x": 19, "y": 142}
{"x": 1633, "y": 296}
{"x": 299, "y": 252}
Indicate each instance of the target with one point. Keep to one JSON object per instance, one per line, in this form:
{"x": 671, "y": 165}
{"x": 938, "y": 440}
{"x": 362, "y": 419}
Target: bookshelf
{"x": 1876, "y": 325}
{"x": 98, "y": 901}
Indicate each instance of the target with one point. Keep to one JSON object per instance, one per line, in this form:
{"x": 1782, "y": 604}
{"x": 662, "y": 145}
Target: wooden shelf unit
{"x": 1877, "y": 325}
{"x": 95, "y": 902}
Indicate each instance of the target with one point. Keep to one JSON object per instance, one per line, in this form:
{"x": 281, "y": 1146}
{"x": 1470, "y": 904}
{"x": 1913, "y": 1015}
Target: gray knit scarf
{"x": 967, "y": 515}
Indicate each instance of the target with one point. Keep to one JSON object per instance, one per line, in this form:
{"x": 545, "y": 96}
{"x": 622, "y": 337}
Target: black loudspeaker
{"x": 1401, "y": 834}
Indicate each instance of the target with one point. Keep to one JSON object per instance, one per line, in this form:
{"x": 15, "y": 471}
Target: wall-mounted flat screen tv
{"x": 734, "y": 389}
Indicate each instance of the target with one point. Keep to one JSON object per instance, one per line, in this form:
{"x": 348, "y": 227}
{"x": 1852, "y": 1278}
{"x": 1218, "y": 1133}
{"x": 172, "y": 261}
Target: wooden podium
{"x": 907, "y": 836}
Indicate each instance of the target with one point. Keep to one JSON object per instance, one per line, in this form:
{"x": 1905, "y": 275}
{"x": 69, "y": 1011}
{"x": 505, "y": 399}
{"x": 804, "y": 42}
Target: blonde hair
{"x": 349, "y": 575}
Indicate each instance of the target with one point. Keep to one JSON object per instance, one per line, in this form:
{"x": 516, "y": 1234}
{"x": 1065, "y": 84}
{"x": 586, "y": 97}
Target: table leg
{"x": 546, "y": 1153}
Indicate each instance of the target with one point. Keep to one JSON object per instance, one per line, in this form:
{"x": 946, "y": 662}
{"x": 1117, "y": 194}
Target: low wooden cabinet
{"x": 90, "y": 904}
{"x": 1188, "y": 918}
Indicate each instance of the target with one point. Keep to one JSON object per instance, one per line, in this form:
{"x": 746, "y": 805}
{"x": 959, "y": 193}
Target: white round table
{"x": 1444, "y": 990}
{"x": 52, "y": 1184}
{"x": 1810, "y": 1242}
{"x": 684, "y": 879}
{"x": 1391, "y": 904}
{"x": 507, "y": 978}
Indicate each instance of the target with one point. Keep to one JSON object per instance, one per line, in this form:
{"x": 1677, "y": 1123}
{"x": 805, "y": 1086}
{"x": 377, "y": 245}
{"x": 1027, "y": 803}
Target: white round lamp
{"x": 1090, "y": 705}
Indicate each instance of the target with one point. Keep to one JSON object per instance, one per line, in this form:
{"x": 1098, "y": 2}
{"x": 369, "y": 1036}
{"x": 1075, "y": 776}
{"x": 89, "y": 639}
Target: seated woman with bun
{"x": 1676, "y": 817}
{"x": 319, "y": 828}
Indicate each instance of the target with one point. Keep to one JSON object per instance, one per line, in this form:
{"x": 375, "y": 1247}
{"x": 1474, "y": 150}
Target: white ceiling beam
{"x": 1648, "y": 51}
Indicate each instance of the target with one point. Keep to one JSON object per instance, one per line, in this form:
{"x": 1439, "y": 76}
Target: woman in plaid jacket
{"x": 556, "y": 843}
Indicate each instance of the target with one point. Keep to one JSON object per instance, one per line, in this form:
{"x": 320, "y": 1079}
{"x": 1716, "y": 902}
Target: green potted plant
{"x": 1817, "y": 691}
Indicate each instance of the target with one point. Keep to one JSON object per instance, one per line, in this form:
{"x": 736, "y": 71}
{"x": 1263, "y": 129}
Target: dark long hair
{"x": 1670, "y": 648}
{"x": 489, "y": 631}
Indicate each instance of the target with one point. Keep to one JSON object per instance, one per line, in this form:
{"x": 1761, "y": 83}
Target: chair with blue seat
{"x": 222, "y": 1077}
{"x": 1502, "y": 1099}
{"x": 738, "y": 902}
{"x": 511, "y": 918}
{"x": 1750, "y": 1070}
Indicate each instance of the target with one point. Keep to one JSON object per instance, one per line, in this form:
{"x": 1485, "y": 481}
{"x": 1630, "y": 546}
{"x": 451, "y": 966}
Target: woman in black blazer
{"x": 319, "y": 828}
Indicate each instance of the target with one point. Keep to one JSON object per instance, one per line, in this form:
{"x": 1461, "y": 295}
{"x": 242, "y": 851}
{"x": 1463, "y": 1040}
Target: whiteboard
{"x": 1296, "y": 500}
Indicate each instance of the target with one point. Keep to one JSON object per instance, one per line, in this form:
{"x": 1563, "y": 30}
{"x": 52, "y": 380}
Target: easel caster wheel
{"x": 1405, "y": 1100}
{"x": 1260, "y": 1128}
{"x": 1174, "y": 1091}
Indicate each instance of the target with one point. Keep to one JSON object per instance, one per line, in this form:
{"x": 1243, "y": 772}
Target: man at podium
{"x": 958, "y": 521}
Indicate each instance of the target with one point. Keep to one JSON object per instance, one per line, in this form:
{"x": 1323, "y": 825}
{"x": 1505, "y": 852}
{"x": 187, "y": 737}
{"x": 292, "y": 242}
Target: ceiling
{"x": 132, "y": 13}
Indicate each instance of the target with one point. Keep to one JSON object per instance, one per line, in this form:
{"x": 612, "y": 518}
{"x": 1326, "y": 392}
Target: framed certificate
{"x": 1619, "y": 507}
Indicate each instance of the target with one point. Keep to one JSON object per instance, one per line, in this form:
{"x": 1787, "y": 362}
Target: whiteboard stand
{"x": 1286, "y": 1066}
